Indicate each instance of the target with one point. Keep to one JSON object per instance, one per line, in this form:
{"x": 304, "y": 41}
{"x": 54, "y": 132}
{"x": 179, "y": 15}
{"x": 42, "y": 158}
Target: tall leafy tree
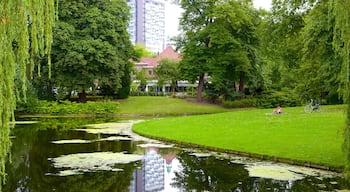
{"x": 25, "y": 32}
{"x": 340, "y": 9}
{"x": 91, "y": 42}
{"x": 234, "y": 42}
{"x": 282, "y": 42}
{"x": 195, "y": 41}
{"x": 320, "y": 68}
{"x": 168, "y": 71}
{"x": 217, "y": 42}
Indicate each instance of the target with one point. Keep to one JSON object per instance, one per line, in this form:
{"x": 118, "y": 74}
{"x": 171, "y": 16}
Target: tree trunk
{"x": 200, "y": 88}
{"x": 173, "y": 87}
{"x": 82, "y": 97}
{"x": 241, "y": 82}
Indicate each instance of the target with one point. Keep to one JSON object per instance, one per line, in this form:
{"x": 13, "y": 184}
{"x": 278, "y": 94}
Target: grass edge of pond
{"x": 247, "y": 154}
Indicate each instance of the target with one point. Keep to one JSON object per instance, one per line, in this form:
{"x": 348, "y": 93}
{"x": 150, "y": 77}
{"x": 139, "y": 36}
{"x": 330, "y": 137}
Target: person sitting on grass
{"x": 278, "y": 110}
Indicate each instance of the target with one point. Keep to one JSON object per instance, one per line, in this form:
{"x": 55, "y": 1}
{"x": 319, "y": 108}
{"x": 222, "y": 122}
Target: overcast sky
{"x": 266, "y": 4}
{"x": 173, "y": 13}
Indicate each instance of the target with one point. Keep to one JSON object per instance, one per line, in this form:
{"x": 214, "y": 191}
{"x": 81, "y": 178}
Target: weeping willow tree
{"x": 25, "y": 33}
{"x": 340, "y": 10}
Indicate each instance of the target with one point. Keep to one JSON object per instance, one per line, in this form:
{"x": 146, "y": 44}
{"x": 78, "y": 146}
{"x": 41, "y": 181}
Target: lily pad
{"x": 91, "y": 162}
{"x": 274, "y": 172}
{"x": 109, "y": 125}
{"x": 71, "y": 141}
{"x": 115, "y": 138}
{"x": 155, "y": 145}
{"x": 107, "y": 131}
{"x": 106, "y": 128}
{"x": 200, "y": 155}
{"x": 25, "y": 122}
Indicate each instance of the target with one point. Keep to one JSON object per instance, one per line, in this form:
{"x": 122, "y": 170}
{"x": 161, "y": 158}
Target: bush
{"x": 285, "y": 98}
{"x": 67, "y": 107}
{"x": 333, "y": 99}
{"x": 30, "y": 101}
{"x": 241, "y": 103}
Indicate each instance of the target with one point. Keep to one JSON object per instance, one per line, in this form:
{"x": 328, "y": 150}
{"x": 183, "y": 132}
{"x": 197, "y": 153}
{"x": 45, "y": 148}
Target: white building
{"x": 147, "y": 23}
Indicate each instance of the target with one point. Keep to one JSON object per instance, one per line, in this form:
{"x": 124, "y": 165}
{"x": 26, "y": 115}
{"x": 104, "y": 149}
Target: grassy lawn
{"x": 305, "y": 137}
{"x": 144, "y": 105}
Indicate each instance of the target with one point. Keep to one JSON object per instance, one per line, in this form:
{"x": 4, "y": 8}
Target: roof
{"x": 168, "y": 53}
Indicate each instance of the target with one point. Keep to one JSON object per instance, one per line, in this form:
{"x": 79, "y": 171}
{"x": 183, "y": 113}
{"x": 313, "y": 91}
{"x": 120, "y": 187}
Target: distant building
{"x": 148, "y": 64}
{"x": 147, "y": 23}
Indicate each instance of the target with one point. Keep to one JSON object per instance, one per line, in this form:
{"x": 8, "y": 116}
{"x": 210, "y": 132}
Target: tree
{"x": 141, "y": 51}
{"x": 340, "y": 9}
{"x": 210, "y": 174}
{"x": 92, "y": 43}
{"x": 168, "y": 70}
{"x": 320, "y": 68}
{"x": 195, "y": 41}
{"x": 25, "y": 32}
{"x": 283, "y": 42}
{"x": 217, "y": 42}
{"x": 235, "y": 42}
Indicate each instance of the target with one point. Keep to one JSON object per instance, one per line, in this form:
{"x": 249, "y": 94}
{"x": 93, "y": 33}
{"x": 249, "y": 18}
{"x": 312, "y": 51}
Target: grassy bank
{"x": 145, "y": 105}
{"x": 305, "y": 137}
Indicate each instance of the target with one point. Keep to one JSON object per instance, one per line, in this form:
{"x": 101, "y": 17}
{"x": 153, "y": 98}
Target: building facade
{"x": 147, "y": 23}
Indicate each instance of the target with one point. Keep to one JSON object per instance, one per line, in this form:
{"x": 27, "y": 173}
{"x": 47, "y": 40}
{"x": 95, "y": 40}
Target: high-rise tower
{"x": 147, "y": 23}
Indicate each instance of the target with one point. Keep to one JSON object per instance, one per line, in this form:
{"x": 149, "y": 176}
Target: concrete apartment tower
{"x": 147, "y": 23}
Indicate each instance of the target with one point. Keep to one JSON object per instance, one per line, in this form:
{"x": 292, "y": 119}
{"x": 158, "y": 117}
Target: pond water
{"x": 102, "y": 155}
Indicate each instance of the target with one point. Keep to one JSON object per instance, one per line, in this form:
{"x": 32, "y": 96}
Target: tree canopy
{"x": 92, "y": 45}
{"x": 217, "y": 42}
{"x": 25, "y": 33}
{"x": 168, "y": 71}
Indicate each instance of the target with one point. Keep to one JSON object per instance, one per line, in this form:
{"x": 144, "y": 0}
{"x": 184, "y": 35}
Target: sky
{"x": 173, "y": 14}
{"x": 266, "y": 4}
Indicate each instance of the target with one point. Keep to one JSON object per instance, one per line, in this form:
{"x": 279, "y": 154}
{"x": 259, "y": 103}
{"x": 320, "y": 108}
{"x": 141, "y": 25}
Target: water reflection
{"x": 162, "y": 167}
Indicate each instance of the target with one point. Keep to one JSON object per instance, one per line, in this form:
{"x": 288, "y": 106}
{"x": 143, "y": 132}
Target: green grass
{"x": 145, "y": 105}
{"x": 305, "y": 137}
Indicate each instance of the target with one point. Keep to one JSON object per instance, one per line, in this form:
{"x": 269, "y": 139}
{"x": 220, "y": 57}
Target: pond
{"x": 103, "y": 155}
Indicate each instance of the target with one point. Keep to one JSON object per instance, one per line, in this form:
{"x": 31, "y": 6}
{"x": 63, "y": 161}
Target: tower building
{"x": 147, "y": 23}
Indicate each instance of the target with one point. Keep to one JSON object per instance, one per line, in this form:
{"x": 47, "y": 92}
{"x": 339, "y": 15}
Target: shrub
{"x": 67, "y": 107}
{"x": 241, "y": 103}
{"x": 272, "y": 98}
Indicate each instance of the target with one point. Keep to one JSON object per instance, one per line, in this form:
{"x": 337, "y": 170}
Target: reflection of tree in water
{"x": 208, "y": 174}
{"x": 29, "y": 166}
{"x": 213, "y": 174}
{"x": 314, "y": 184}
{"x": 94, "y": 182}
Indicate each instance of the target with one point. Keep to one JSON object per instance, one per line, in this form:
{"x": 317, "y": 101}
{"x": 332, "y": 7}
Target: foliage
{"x": 31, "y": 100}
{"x": 168, "y": 70}
{"x": 241, "y": 103}
{"x": 211, "y": 92}
{"x": 124, "y": 91}
{"x": 321, "y": 67}
{"x": 67, "y": 107}
{"x": 284, "y": 98}
{"x": 141, "y": 51}
{"x": 195, "y": 41}
{"x": 218, "y": 41}
{"x": 340, "y": 9}
{"x": 296, "y": 135}
{"x": 25, "y": 32}
{"x": 281, "y": 42}
{"x": 92, "y": 45}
